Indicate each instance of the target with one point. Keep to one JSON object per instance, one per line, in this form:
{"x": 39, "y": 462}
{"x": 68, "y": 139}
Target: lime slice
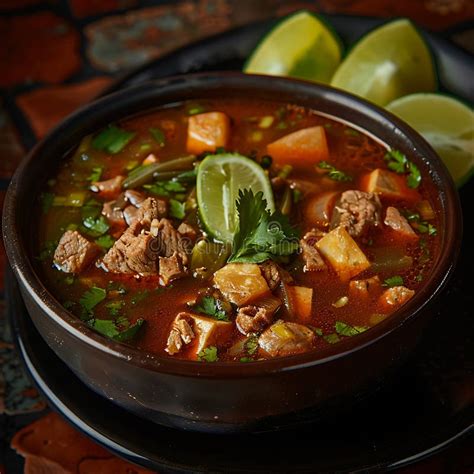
{"x": 301, "y": 46}
{"x": 219, "y": 179}
{"x": 389, "y": 62}
{"x": 446, "y": 124}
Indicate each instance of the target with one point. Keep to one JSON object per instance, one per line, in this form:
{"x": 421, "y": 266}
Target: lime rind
{"x": 301, "y": 45}
{"x": 219, "y": 179}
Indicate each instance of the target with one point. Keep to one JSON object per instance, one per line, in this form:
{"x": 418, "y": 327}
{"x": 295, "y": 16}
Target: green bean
{"x": 286, "y": 201}
{"x": 145, "y": 174}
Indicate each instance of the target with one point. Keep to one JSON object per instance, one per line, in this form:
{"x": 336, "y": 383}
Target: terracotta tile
{"x": 123, "y": 41}
{"x": 11, "y": 150}
{"x": 46, "y": 106}
{"x": 83, "y": 8}
{"x": 51, "y": 445}
{"x": 32, "y": 45}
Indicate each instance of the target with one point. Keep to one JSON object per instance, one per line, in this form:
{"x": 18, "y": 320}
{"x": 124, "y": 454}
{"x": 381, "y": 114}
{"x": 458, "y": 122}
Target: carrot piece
{"x": 389, "y": 185}
{"x": 302, "y": 147}
{"x": 207, "y": 131}
{"x": 299, "y": 300}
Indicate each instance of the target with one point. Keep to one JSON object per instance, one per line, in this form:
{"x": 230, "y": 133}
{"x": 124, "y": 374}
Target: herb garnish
{"x": 177, "y": 209}
{"x": 333, "y": 173}
{"x": 95, "y": 175}
{"x": 165, "y": 188}
{"x": 398, "y": 162}
{"x": 120, "y": 329}
{"x": 332, "y": 338}
{"x": 158, "y": 135}
{"x": 345, "y": 329}
{"x": 112, "y": 139}
{"x": 91, "y": 208}
{"x": 260, "y": 235}
{"x": 208, "y": 354}
{"x": 396, "y": 280}
{"x": 91, "y": 298}
{"x": 105, "y": 241}
{"x": 210, "y": 306}
{"x": 95, "y": 226}
{"x": 114, "y": 307}
{"x": 423, "y": 227}
{"x": 251, "y": 345}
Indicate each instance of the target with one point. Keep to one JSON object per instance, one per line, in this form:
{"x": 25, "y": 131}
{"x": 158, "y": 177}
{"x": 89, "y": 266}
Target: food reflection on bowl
{"x": 214, "y": 239}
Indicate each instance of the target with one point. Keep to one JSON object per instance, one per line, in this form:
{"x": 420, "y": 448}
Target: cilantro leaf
{"x": 95, "y": 174}
{"x": 246, "y": 359}
{"x": 396, "y": 280}
{"x": 105, "y": 241}
{"x": 130, "y": 332}
{"x": 398, "y": 162}
{"x": 158, "y": 135}
{"x": 91, "y": 298}
{"x": 423, "y": 227}
{"x": 111, "y": 328}
{"x": 208, "y": 354}
{"x": 332, "y": 338}
{"x": 345, "y": 329}
{"x": 114, "y": 307}
{"x": 165, "y": 188}
{"x": 112, "y": 139}
{"x": 91, "y": 208}
{"x": 333, "y": 173}
{"x": 211, "y": 307}
{"x": 177, "y": 209}
{"x": 95, "y": 227}
{"x": 260, "y": 235}
{"x": 251, "y": 345}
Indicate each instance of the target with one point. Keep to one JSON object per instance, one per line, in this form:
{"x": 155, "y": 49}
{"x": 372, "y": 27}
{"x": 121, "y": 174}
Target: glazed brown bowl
{"x": 223, "y": 396}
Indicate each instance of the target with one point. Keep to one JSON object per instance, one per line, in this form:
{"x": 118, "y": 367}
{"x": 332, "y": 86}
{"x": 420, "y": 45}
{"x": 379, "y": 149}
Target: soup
{"x": 235, "y": 231}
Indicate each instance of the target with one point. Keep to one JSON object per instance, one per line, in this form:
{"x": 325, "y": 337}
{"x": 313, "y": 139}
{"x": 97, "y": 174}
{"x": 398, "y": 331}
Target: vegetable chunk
{"x": 207, "y": 131}
{"x": 299, "y": 301}
{"x": 395, "y": 297}
{"x": 241, "y": 283}
{"x": 342, "y": 252}
{"x": 389, "y": 185}
{"x": 303, "y": 147}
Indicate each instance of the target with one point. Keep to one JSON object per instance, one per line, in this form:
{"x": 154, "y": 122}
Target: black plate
{"x": 426, "y": 407}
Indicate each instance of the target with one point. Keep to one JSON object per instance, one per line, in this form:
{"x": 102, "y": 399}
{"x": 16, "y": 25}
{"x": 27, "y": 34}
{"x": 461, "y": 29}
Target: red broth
{"x": 335, "y": 310}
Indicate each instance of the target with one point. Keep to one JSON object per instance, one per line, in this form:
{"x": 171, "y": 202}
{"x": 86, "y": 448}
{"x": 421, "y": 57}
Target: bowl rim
{"x": 24, "y": 271}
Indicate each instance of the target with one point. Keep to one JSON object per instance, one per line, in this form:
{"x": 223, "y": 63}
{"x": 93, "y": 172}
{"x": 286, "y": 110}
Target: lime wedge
{"x": 219, "y": 179}
{"x": 301, "y": 45}
{"x": 446, "y": 124}
{"x": 387, "y": 63}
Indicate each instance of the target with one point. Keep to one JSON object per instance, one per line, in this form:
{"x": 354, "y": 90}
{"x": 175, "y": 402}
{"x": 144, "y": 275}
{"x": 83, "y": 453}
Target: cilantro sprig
{"x": 398, "y": 162}
{"x": 390, "y": 282}
{"x": 210, "y": 307}
{"x": 112, "y": 139}
{"x": 333, "y": 173}
{"x": 345, "y": 329}
{"x": 208, "y": 354}
{"x": 423, "y": 227}
{"x": 261, "y": 235}
{"x": 119, "y": 329}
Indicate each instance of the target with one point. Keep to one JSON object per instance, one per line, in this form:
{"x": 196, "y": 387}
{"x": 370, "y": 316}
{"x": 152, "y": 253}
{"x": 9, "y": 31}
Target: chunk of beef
{"x": 363, "y": 289}
{"x": 286, "y": 338}
{"x": 187, "y": 230}
{"x": 395, "y": 297}
{"x": 311, "y": 257}
{"x": 171, "y": 268}
{"x": 358, "y": 212}
{"x": 181, "y": 333}
{"x": 110, "y": 187}
{"x": 74, "y": 252}
{"x": 151, "y": 208}
{"x": 171, "y": 241}
{"x": 130, "y": 214}
{"x": 113, "y": 213}
{"x": 274, "y": 274}
{"x": 253, "y": 319}
{"x": 135, "y": 198}
{"x": 399, "y": 224}
{"x": 134, "y": 252}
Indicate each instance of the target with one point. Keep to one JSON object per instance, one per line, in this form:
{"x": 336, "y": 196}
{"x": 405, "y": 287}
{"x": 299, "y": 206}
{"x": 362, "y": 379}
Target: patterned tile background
{"x": 59, "y": 54}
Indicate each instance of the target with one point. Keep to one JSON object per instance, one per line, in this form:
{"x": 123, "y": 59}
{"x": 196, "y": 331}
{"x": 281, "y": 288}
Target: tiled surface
{"x": 59, "y": 54}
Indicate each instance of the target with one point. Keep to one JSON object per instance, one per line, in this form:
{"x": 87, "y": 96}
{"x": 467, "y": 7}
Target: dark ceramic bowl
{"x": 219, "y": 396}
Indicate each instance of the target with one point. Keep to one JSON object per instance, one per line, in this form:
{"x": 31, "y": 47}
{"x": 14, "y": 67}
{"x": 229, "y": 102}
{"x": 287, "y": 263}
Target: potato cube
{"x": 342, "y": 252}
{"x": 209, "y": 332}
{"x": 363, "y": 289}
{"x": 389, "y": 185}
{"x": 207, "y": 131}
{"x": 241, "y": 283}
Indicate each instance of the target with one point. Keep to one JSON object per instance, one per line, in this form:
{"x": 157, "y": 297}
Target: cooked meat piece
{"x": 365, "y": 288}
{"x": 311, "y": 257}
{"x": 110, "y": 187}
{"x": 113, "y": 213}
{"x": 187, "y": 230}
{"x": 253, "y": 319}
{"x": 395, "y": 296}
{"x": 274, "y": 274}
{"x": 357, "y": 211}
{"x": 151, "y": 208}
{"x": 181, "y": 333}
{"x": 398, "y": 223}
{"x": 135, "y": 198}
{"x": 171, "y": 241}
{"x": 134, "y": 252}
{"x": 312, "y": 236}
{"x": 74, "y": 252}
{"x": 171, "y": 268}
{"x": 130, "y": 214}
{"x": 285, "y": 338}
